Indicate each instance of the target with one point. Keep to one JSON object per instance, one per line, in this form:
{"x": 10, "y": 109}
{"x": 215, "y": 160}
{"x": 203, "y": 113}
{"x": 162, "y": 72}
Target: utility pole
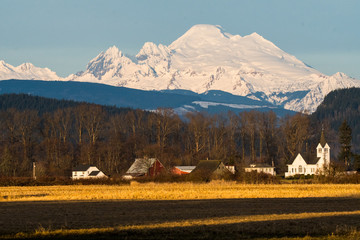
{"x": 34, "y": 170}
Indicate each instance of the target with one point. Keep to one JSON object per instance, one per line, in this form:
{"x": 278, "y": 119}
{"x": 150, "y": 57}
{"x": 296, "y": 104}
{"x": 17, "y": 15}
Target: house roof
{"x": 207, "y": 165}
{"x": 259, "y": 165}
{"x": 82, "y": 168}
{"x": 141, "y": 166}
{"x": 94, "y": 173}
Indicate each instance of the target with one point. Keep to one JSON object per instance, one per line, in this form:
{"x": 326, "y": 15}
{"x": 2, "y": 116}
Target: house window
{"x": 319, "y": 150}
{"x": 292, "y": 169}
{"x": 325, "y": 150}
{"x": 300, "y": 169}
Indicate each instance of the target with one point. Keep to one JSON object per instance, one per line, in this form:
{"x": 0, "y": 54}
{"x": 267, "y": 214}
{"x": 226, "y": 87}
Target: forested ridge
{"x": 340, "y": 105}
{"x": 60, "y": 134}
{"x": 43, "y": 104}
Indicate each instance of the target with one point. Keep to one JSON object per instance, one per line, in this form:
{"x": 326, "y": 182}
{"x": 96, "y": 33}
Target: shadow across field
{"x": 30, "y": 216}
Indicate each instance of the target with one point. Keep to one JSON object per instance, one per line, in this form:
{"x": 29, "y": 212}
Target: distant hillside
{"x": 180, "y": 100}
{"x": 95, "y": 93}
{"x": 43, "y": 105}
{"x": 337, "y": 106}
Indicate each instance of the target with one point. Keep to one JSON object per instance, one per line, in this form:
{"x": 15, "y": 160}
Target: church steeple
{"x": 322, "y": 138}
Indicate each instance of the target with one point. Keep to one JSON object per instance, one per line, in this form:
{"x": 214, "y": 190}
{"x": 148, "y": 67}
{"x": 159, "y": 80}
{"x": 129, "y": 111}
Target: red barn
{"x": 144, "y": 167}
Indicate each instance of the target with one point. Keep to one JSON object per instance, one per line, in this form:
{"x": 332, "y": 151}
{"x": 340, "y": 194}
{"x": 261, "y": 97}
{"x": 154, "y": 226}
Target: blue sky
{"x": 65, "y": 35}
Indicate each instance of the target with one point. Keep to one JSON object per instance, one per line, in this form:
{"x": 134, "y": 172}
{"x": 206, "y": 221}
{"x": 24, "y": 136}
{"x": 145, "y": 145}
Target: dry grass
{"x": 175, "y": 191}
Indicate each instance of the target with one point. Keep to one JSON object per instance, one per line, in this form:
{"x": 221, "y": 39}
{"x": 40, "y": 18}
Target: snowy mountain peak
{"x": 5, "y": 68}
{"x": 110, "y": 60}
{"x": 26, "y": 71}
{"x": 256, "y": 36}
{"x": 201, "y": 34}
{"x": 150, "y": 49}
{"x": 26, "y": 66}
{"x": 113, "y": 52}
{"x": 3, "y": 64}
{"x": 340, "y": 75}
{"x": 206, "y": 30}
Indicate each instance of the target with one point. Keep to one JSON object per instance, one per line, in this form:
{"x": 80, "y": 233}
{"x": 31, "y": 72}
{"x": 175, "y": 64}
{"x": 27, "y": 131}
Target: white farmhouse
{"x": 264, "y": 168}
{"x": 300, "y": 166}
{"x": 86, "y": 172}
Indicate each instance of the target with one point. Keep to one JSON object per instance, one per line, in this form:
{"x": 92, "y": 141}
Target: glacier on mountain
{"x": 208, "y": 58}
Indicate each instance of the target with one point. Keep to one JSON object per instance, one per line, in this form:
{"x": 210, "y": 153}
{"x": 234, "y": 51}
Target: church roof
{"x": 309, "y": 157}
{"x": 322, "y": 138}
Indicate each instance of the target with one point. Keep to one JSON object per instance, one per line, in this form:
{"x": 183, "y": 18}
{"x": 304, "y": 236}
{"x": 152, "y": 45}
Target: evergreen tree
{"x": 357, "y": 162}
{"x": 345, "y": 143}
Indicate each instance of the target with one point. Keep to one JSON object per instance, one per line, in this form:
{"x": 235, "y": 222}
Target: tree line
{"x": 59, "y": 138}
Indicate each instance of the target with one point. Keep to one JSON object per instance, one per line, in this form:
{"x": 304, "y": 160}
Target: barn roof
{"x": 141, "y": 166}
{"x": 207, "y": 165}
{"x": 82, "y": 168}
{"x": 186, "y": 168}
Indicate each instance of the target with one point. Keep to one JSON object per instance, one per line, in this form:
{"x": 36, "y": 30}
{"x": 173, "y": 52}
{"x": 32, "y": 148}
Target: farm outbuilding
{"x": 182, "y": 170}
{"x": 144, "y": 167}
{"x": 211, "y": 169}
{"x": 86, "y": 172}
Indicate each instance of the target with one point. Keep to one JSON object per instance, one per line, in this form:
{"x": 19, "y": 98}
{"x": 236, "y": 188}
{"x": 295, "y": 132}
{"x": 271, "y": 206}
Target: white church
{"x": 300, "y": 166}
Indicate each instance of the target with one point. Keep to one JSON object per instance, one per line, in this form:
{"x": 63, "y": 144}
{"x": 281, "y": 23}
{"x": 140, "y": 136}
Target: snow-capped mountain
{"x": 207, "y": 58}
{"x": 26, "y": 71}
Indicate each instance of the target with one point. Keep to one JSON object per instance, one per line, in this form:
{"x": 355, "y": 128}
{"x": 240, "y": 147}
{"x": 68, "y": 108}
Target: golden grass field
{"x": 216, "y": 210}
{"x": 176, "y": 191}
